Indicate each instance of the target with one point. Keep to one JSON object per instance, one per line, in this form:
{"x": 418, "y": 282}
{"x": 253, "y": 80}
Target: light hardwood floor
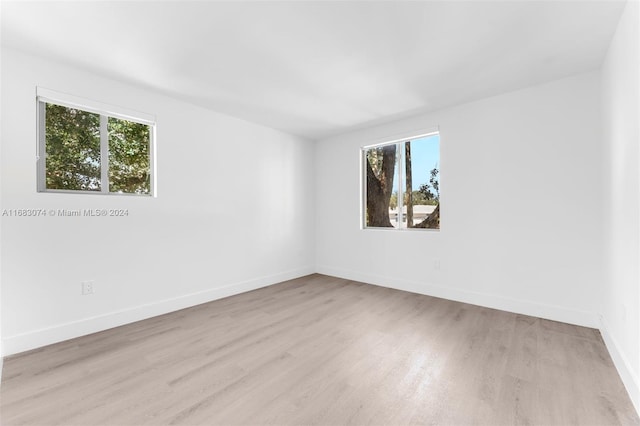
{"x": 322, "y": 350}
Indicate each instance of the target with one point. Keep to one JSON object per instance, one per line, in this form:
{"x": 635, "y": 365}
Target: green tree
{"x": 73, "y": 152}
{"x": 380, "y": 166}
{"x": 431, "y": 192}
{"x": 420, "y": 200}
{"x": 393, "y": 202}
{"x": 73, "y": 148}
{"x": 128, "y": 157}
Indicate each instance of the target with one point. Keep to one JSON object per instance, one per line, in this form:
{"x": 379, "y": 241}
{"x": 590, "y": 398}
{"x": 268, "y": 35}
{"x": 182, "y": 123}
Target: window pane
{"x": 381, "y": 181}
{"x": 72, "y": 144}
{"x": 129, "y": 170}
{"x": 421, "y": 202}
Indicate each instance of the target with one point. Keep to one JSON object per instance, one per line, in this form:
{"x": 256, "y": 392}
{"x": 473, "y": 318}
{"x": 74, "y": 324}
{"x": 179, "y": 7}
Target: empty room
{"x": 320, "y": 212}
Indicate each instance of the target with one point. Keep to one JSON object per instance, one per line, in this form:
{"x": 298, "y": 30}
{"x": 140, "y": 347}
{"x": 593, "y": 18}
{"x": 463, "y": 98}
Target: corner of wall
{"x": 2, "y": 346}
{"x": 625, "y": 369}
{"x": 620, "y": 103}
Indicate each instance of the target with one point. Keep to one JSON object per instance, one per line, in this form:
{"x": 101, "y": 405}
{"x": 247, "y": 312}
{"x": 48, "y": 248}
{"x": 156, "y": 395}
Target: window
{"x": 407, "y": 170}
{"x": 87, "y": 147}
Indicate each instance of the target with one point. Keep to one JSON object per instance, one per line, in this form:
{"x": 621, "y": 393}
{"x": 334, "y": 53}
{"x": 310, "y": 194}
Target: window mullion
{"x": 400, "y": 200}
{"x": 363, "y": 186}
{"x": 104, "y": 154}
{"x": 42, "y": 149}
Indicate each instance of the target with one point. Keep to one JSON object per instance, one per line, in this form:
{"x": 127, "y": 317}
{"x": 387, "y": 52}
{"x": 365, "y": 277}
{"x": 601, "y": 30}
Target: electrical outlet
{"x": 86, "y": 288}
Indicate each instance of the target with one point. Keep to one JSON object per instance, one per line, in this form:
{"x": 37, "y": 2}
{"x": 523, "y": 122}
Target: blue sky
{"x": 425, "y": 155}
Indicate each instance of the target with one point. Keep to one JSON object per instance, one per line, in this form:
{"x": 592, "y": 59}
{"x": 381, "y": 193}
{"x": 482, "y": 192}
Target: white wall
{"x": 1, "y": 207}
{"x": 521, "y": 222}
{"x": 621, "y": 134}
{"x": 232, "y": 198}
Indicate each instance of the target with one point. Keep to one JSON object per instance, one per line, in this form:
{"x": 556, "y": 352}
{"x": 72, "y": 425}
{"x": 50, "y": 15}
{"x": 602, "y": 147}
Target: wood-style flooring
{"x": 325, "y": 351}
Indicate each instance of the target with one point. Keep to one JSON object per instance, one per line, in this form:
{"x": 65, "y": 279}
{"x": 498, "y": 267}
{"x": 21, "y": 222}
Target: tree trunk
{"x": 432, "y": 221}
{"x": 379, "y": 189}
{"x": 408, "y": 190}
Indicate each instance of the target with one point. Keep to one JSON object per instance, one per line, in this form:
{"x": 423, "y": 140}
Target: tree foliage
{"x": 128, "y": 157}
{"x": 73, "y": 149}
{"x": 73, "y": 154}
{"x": 418, "y": 198}
{"x": 431, "y": 191}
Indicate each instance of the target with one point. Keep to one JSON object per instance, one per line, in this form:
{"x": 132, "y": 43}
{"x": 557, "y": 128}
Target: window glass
{"x": 128, "y": 157}
{"x": 89, "y": 151}
{"x": 422, "y": 183}
{"x": 407, "y": 171}
{"x": 381, "y": 193}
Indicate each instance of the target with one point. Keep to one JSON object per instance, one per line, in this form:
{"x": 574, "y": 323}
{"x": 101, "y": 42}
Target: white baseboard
{"x": 58, "y": 333}
{"x": 551, "y": 312}
{"x": 627, "y": 372}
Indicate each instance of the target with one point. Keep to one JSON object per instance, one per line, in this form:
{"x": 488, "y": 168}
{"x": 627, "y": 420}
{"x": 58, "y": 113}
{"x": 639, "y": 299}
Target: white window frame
{"x": 398, "y": 141}
{"x": 44, "y": 96}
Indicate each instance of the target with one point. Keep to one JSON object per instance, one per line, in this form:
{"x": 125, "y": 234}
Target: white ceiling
{"x": 318, "y": 68}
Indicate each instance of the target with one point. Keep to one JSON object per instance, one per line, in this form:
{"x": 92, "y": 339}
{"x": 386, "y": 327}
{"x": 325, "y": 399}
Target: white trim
{"x": 493, "y": 301}
{"x": 41, "y": 150}
{"x": 71, "y": 101}
{"x": 402, "y": 136}
{"x": 104, "y": 154}
{"x": 625, "y": 369}
{"x": 57, "y": 333}
{"x": 405, "y": 229}
{"x": 400, "y": 196}
{"x": 153, "y": 162}
{"x": 88, "y": 192}
{"x": 363, "y": 189}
